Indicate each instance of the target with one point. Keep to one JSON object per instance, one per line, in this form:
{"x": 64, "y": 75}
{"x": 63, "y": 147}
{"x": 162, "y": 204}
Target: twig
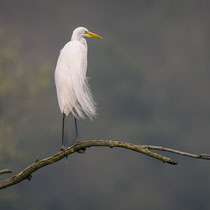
{"x": 165, "y": 149}
{"x": 144, "y": 149}
{"x": 5, "y": 171}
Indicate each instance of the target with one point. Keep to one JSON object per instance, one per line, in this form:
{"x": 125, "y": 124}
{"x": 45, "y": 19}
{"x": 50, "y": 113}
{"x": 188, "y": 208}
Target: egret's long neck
{"x": 75, "y": 37}
{"x": 84, "y": 42}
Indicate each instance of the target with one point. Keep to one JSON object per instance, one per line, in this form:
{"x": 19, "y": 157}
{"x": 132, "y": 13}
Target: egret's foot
{"x": 81, "y": 151}
{"x": 78, "y": 141}
{"x": 63, "y": 148}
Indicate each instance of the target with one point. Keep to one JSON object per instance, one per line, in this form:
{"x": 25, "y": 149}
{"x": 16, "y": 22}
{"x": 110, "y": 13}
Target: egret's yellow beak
{"x": 94, "y": 35}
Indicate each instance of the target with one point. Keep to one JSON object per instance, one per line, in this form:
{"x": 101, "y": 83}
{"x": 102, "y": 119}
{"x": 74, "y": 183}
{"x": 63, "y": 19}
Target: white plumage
{"x": 73, "y": 92}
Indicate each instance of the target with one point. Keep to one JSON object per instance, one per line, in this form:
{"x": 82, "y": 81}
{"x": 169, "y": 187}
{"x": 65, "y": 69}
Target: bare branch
{"x": 81, "y": 147}
{"x": 5, "y": 171}
{"x": 165, "y": 149}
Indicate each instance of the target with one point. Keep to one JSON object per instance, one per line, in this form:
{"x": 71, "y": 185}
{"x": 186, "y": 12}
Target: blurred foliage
{"x": 20, "y": 86}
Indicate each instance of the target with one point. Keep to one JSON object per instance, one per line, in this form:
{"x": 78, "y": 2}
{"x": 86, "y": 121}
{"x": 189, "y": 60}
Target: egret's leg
{"x": 77, "y": 137}
{"x": 76, "y": 129}
{"x": 62, "y": 145}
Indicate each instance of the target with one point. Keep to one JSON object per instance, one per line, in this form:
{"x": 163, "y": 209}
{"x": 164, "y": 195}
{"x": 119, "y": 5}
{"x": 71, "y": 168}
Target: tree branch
{"x": 198, "y": 156}
{"x": 5, "y": 171}
{"x": 81, "y": 147}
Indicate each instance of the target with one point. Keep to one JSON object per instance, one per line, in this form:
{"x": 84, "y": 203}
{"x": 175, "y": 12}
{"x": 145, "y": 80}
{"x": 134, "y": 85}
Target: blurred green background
{"x": 150, "y": 76}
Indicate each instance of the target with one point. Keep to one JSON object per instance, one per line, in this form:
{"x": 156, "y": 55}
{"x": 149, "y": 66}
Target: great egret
{"x": 73, "y": 92}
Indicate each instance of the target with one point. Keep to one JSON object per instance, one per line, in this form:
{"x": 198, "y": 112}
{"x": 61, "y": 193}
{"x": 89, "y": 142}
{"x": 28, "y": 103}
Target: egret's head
{"x": 80, "y": 32}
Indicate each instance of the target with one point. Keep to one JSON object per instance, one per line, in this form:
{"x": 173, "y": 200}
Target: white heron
{"x": 73, "y": 93}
